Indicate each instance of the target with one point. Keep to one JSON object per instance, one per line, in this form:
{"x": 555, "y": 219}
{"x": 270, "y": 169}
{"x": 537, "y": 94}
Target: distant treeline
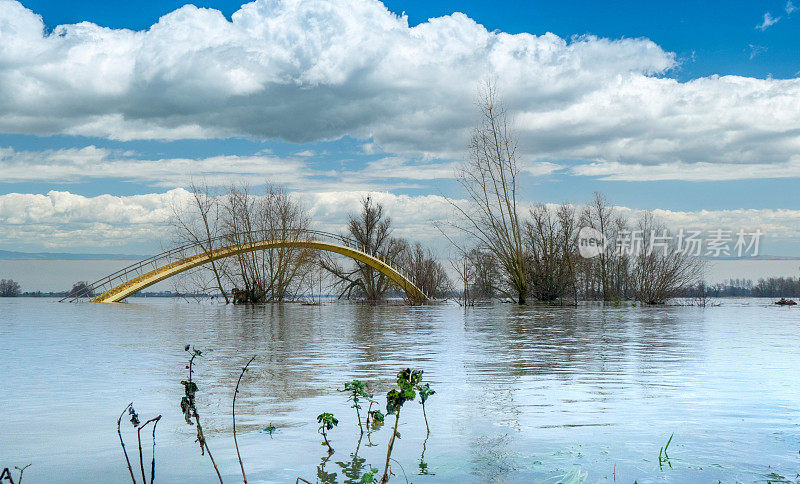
{"x": 72, "y": 293}
{"x": 769, "y": 287}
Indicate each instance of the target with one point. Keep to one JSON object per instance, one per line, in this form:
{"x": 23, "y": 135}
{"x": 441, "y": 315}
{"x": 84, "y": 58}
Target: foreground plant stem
{"x": 189, "y": 409}
{"x": 325, "y": 439}
{"x": 141, "y": 458}
{"x": 122, "y": 443}
{"x": 426, "y": 418}
{"x": 203, "y": 444}
{"x": 153, "y": 462}
{"x": 21, "y": 471}
{"x": 385, "y": 477}
{"x": 233, "y": 413}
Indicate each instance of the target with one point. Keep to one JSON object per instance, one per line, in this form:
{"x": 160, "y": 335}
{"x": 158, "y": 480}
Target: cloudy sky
{"x": 106, "y": 113}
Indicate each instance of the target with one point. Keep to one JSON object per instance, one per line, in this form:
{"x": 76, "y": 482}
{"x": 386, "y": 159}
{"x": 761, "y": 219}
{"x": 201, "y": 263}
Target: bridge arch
{"x": 122, "y": 286}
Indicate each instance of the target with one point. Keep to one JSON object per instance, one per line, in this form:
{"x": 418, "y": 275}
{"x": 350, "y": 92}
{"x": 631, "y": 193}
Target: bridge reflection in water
{"x": 129, "y": 280}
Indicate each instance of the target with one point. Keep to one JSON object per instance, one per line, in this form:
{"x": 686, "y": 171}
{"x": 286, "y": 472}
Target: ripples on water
{"x": 523, "y": 394}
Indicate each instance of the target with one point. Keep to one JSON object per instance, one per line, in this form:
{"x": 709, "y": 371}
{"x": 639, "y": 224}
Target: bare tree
{"x": 659, "y": 271}
{"x": 273, "y": 274}
{"x": 489, "y": 177}
{"x": 371, "y": 231}
{"x": 240, "y": 218}
{"x": 428, "y": 274}
{"x": 605, "y": 275}
{"x": 9, "y": 288}
{"x": 199, "y": 223}
{"x": 478, "y": 275}
{"x": 462, "y": 268}
{"x": 486, "y": 274}
{"x": 284, "y": 218}
{"x": 552, "y": 246}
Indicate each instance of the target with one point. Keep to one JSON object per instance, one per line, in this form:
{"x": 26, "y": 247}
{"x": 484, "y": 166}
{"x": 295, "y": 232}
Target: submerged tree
{"x": 478, "y": 274}
{"x": 551, "y": 238}
{"x": 273, "y": 274}
{"x": 605, "y": 276}
{"x": 238, "y": 217}
{"x": 9, "y": 288}
{"x": 81, "y": 289}
{"x": 199, "y": 223}
{"x": 659, "y": 270}
{"x": 427, "y": 273}
{"x": 489, "y": 178}
{"x": 371, "y": 231}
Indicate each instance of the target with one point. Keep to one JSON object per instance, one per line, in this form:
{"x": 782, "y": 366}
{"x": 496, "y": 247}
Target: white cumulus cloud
{"x": 308, "y": 70}
{"x": 60, "y": 219}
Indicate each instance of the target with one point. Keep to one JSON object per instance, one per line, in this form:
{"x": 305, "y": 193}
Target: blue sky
{"x": 728, "y": 145}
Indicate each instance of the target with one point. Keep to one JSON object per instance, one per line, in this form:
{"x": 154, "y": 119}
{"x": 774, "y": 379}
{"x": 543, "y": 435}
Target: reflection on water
{"x": 522, "y": 394}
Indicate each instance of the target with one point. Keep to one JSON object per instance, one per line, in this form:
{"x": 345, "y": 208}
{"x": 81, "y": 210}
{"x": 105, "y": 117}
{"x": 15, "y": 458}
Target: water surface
{"x": 523, "y": 394}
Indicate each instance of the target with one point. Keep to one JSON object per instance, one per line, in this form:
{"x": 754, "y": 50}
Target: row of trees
{"x": 290, "y": 271}
{"x": 555, "y": 272}
{"x": 508, "y": 252}
{"x": 769, "y": 287}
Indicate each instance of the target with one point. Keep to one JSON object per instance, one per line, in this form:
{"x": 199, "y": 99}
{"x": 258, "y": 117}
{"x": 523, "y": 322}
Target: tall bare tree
{"x": 199, "y": 222}
{"x": 489, "y": 178}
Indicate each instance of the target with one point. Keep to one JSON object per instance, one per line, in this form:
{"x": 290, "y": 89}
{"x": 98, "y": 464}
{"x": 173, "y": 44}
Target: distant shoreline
{"x": 14, "y": 255}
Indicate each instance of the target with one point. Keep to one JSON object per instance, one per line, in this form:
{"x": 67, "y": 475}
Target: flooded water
{"x": 582, "y": 394}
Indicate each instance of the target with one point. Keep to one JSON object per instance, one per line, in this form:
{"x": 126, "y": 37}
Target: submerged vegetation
{"x": 136, "y": 423}
{"x": 409, "y": 381}
{"x": 326, "y": 423}
{"x": 663, "y": 456}
{"x": 408, "y": 384}
{"x": 190, "y": 410}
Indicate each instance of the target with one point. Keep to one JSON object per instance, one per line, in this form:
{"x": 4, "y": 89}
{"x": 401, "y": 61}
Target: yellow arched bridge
{"x": 132, "y": 279}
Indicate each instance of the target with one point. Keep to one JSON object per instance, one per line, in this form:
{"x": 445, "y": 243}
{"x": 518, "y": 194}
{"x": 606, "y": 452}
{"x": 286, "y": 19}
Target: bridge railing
{"x": 192, "y": 249}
